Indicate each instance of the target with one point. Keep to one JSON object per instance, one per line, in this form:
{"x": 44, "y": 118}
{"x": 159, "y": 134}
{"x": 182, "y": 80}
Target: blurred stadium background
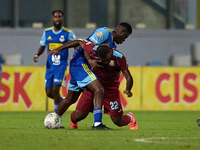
{"x": 165, "y": 33}
{"x": 167, "y": 28}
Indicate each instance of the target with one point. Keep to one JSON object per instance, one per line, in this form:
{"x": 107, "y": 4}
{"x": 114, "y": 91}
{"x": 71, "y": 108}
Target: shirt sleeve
{"x": 72, "y": 36}
{"x": 88, "y": 47}
{"x": 99, "y": 36}
{"x": 43, "y": 40}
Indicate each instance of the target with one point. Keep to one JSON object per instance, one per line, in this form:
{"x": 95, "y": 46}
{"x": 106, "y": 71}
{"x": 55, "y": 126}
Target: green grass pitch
{"x": 158, "y": 130}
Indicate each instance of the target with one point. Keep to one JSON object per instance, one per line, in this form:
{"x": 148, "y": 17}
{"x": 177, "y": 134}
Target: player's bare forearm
{"x": 70, "y": 44}
{"x": 75, "y": 49}
{"x": 129, "y": 82}
{"x": 40, "y": 51}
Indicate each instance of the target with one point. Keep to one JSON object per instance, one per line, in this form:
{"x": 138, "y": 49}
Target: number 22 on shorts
{"x": 114, "y": 105}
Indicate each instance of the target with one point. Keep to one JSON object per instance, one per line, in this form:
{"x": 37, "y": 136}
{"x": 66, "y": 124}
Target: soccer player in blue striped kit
{"x": 100, "y": 36}
{"x": 56, "y": 65}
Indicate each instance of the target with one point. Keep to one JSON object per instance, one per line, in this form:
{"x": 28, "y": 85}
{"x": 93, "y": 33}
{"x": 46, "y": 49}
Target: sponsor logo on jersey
{"x": 99, "y": 34}
{"x": 49, "y": 38}
{"x": 53, "y": 46}
{"x": 62, "y": 39}
{"x": 112, "y": 63}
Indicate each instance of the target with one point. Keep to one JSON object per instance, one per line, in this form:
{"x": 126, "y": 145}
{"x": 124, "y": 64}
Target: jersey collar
{"x": 58, "y": 31}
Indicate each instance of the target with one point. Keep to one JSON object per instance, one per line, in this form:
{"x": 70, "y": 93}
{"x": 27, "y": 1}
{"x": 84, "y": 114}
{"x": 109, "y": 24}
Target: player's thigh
{"x": 72, "y": 96}
{"x": 49, "y": 78}
{"x": 113, "y": 107}
{"x": 85, "y": 102}
{"x": 112, "y": 103}
{"x": 96, "y": 86}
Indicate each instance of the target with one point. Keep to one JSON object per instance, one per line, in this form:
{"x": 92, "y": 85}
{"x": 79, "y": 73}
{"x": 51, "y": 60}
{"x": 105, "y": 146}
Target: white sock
{"x": 97, "y": 123}
{"x": 130, "y": 116}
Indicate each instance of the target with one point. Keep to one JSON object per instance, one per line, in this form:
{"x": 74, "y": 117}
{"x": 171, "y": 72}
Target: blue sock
{"x": 97, "y": 116}
{"x": 56, "y": 106}
{"x": 61, "y": 101}
{"x": 61, "y": 98}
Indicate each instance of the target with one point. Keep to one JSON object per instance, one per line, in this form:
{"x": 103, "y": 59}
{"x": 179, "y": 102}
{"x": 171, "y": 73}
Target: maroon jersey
{"x": 109, "y": 75}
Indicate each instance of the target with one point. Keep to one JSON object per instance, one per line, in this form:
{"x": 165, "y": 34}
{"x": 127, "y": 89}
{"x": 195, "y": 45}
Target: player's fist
{"x": 35, "y": 58}
{"x": 94, "y": 63}
{"x": 128, "y": 93}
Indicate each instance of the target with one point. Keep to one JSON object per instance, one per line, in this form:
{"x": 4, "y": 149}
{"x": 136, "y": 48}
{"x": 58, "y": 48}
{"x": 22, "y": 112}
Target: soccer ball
{"x": 198, "y": 122}
{"x": 51, "y": 121}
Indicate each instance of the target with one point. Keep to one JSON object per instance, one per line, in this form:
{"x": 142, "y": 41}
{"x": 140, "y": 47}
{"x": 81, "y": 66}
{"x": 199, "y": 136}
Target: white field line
{"x": 163, "y": 140}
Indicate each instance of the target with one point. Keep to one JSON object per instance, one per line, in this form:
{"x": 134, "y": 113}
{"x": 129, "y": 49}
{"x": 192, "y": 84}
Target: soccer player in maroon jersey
{"x": 113, "y": 63}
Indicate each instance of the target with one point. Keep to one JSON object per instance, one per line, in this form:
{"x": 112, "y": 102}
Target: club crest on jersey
{"x": 62, "y": 39}
{"x": 99, "y": 34}
{"x": 112, "y": 63}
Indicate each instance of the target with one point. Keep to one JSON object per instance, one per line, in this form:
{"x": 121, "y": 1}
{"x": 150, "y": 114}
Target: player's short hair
{"x": 102, "y": 50}
{"x": 57, "y": 11}
{"x": 127, "y": 26}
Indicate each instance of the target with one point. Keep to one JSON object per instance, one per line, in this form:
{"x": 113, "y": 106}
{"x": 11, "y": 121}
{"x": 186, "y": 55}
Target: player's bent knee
{"x": 117, "y": 120}
{"x": 55, "y": 91}
{"x": 119, "y": 124}
{"x": 100, "y": 90}
{"x": 49, "y": 94}
{"x": 67, "y": 102}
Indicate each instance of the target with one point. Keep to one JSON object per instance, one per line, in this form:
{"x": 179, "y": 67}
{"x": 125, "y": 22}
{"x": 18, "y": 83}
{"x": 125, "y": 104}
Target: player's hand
{"x": 94, "y": 63}
{"x": 128, "y": 93}
{"x": 35, "y": 58}
{"x": 54, "y": 52}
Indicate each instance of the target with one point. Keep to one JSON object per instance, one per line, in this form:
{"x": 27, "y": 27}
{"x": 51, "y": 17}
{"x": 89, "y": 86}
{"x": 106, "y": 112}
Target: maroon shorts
{"x": 111, "y": 102}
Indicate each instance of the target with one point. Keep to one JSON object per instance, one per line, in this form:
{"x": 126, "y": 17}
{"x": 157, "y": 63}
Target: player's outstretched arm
{"x": 129, "y": 82}
{"x": 69, "y": 44}
{"x": 40, "y": 51}
{"x": 75, "y": 49}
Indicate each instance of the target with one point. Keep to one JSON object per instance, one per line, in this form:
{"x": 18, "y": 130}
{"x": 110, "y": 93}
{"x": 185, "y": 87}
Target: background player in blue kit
{"x": 56, "y": 65}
